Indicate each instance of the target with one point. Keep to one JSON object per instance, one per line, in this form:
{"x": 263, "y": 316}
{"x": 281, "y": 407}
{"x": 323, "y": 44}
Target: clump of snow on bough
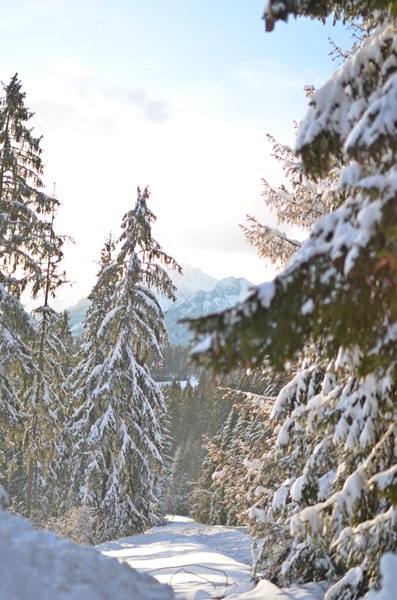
{"x": 388, "y": 569}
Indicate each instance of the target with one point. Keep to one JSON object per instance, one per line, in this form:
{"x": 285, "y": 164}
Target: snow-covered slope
{"x": 77, "y": 315}
{"x": 39, "y": 566}
{"x": 225, "y": 294}
{"x": 190, "y": 281}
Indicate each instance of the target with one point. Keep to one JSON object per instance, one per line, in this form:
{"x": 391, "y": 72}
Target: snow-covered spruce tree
{"x": 339, "y": 286}
{"x": 117, "y": 422}
{"x": 298, "y": 448}
{"x": 81, "y": 386}
{"x": 26, "y": 239}
{"x": 25, "y": 220}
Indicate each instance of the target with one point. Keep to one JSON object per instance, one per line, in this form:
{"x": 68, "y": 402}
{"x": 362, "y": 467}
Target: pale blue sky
{"x": 177, "y": 94}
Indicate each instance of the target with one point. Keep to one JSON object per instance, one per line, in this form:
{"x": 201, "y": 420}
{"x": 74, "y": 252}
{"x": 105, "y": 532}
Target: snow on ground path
{"x": 198, "y": 561}
{"x": 202, "y": 562}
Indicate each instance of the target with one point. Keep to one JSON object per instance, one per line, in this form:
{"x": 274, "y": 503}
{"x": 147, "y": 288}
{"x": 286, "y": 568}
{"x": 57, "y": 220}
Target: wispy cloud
{"x": 74, "y": 93}
{"x": 21, "y": 13}
{"x": 154, "y": 110}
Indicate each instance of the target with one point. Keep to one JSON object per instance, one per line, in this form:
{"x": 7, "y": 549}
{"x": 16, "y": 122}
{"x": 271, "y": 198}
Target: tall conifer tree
{"x": 117, "y": 423}
{"x": 27, "y": 239}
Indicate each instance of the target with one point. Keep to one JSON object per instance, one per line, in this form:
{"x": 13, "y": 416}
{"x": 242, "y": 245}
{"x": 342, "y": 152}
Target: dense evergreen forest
{"x": 285, "y": 421}
{"x": 82, "y": 433}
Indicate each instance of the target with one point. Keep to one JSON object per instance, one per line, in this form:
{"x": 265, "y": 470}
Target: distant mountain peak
{"x": 225, "y": 294}
{"x": 192, "y": 279}
{"x": 187, "y": 283}
{"x": 232, "y": 285}
{"x": 197, "y": 294}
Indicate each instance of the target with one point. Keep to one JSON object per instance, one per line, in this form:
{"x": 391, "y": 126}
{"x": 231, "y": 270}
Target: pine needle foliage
{"x": 298, "y": 203}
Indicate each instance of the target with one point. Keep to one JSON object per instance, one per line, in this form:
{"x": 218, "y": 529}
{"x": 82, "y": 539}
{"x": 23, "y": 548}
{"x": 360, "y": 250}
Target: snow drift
{"x": 39, "y": 565}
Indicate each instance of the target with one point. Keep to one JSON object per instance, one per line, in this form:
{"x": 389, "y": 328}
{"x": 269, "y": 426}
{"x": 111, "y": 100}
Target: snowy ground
{"x": 200, "y": 561}
{"x": 36, "y": 565}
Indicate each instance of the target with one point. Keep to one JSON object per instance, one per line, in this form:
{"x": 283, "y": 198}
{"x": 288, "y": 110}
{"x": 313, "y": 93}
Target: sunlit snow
{"x": 199, "y": 562}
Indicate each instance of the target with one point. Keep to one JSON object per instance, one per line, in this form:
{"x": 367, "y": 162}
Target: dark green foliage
{"x": 185, "y": 471}
{"x": 195, "y": 413}
{"x": 320, "y": 9}
{"x": 221, "y": 420}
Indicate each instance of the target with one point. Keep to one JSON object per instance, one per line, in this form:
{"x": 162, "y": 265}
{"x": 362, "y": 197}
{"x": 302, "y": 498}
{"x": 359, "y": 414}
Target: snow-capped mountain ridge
{"x": 197, "y": 294}
{"x": 187, "y": 283}
{"x": 191, "y": 280}
{"x": 225, "y": 294}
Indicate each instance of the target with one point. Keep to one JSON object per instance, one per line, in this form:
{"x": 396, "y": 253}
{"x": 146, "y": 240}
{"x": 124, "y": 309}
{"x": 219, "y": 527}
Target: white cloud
{"x": 204, "y": 167}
